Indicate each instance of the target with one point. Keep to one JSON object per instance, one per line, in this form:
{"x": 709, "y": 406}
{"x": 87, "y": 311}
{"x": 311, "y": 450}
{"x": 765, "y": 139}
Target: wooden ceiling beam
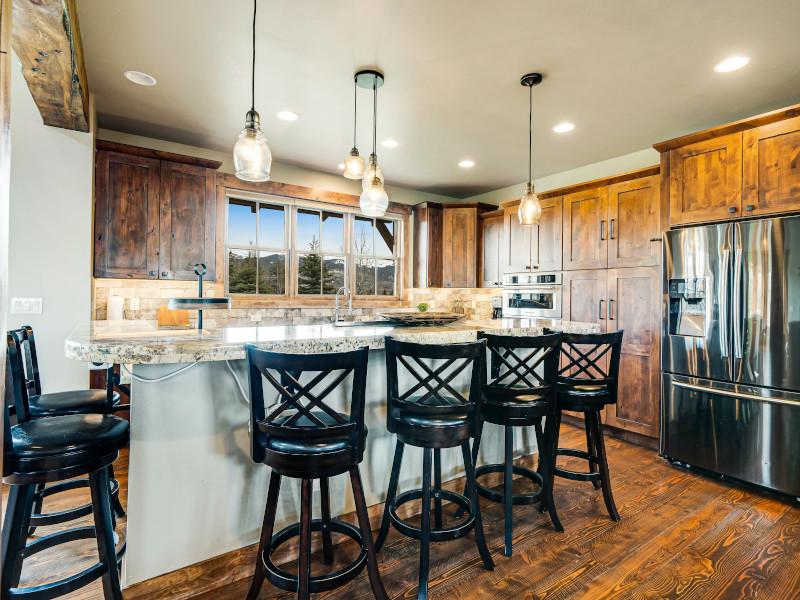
{"x": 47, "y": 40}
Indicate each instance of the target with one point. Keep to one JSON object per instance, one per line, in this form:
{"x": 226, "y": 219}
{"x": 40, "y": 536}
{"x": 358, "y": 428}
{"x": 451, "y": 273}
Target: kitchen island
{"x": 194, "y": 492}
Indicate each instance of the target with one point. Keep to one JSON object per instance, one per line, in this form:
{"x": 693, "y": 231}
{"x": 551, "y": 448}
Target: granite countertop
{"x": 132, "y": 342}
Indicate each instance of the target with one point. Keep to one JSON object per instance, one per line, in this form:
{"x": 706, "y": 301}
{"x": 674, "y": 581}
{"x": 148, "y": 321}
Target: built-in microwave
{"x": 527, "y": 295}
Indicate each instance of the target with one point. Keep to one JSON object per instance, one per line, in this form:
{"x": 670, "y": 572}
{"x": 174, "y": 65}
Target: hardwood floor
{"x": 682, "y": 535}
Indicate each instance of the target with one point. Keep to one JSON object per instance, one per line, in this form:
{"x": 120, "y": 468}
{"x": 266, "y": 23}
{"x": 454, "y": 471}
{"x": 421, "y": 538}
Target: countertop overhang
{"x": 132, "y": 342}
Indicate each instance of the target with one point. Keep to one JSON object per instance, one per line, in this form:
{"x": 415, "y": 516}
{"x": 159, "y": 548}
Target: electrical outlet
{"x": 26, "y": 306}
{"x": 134, "y": 304}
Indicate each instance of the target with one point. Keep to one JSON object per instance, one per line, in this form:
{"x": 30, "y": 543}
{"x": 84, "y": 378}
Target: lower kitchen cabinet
{"x": 627, "y": 299}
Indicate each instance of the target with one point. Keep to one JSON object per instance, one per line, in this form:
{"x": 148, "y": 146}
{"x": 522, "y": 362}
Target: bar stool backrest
{"x": 521, "y": 365}
{"x": 591, "y": 358}
{"x": 297, "y": 400}
{"x": 23, "y": 371}
{"x": 431, "y": 389}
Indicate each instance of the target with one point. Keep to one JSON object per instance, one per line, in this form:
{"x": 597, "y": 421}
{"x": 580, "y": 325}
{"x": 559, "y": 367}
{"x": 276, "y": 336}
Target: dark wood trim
{"x": 5, "y": 175}
{"x": 275, "y": 188}
{"x": 492, "y": 213}
{"x": 750, "y": 123}
{"x": 481, "y": 206}
{"x": 159, "y": 154}
{"x": 47, "y": 40}
{"x": 588, "y": 185}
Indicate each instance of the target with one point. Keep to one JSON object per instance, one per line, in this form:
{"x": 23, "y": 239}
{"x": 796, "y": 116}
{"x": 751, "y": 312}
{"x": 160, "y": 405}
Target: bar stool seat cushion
{"x": 583, "y": 389}
{"x": 70, "y": 403}
{"x": 310, "y": 446}
{"x": 431, "y": 412}
{"x": 56, "y": 436}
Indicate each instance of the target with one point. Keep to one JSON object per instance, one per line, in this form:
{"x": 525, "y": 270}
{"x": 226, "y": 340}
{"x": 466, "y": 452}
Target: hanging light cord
{"x": 530, "y": 134}
{"x": 374, "y": 115}
{"x": 253, "y": 80}
{"x": 355, "y": 110}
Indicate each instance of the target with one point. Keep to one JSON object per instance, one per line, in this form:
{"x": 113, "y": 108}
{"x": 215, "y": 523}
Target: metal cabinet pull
{"x": 164, "y": 273}
{"x": 602, "y": 230}
{"x": 611, "y": 229}
{"x": 611, "y": 310}
{"x": 600, "y": 312}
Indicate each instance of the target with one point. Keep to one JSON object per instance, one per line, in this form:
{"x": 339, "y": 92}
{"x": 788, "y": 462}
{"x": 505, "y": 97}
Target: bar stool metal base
{"x": 518, "y": 499}
{"x": 322, "y": 583}
{"x": 443, "y": 534}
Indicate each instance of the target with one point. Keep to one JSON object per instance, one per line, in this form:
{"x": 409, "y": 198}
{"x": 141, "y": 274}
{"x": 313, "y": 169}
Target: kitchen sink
{"x": 381, "y": 323}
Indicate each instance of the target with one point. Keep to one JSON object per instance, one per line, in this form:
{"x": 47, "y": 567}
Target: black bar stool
{"x": 55, "y": 449}
{"x": 432, "y": 414}
{"x": 28, "y": 403}
{"x": 520, "y": 392}
{"x": 304, "y": 438}
{"x": 588, "y": 381}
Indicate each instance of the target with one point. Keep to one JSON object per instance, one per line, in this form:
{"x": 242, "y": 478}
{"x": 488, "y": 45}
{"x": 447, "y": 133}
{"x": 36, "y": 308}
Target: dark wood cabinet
{"x": 585, "y": 229}
{"x": 155, "y": 213}
{"x": 491, "y": 249}
{"x": 516, "y": 242}
{"x": 127, "y": 189}
{"x": 771, "y": 168}
{"x": 460, "y": 236}
{"x": 706, "y": 180}
{"x": 634, "y": 223}
{"x": 538, "y": 247}
{"x": 634, "y": 305}
{"x": 584, "y": 297}
{"x": 428, "y": 245}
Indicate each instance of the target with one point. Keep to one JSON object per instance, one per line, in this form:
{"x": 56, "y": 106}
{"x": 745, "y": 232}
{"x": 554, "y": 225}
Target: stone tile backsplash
{"x": 475, "y": 303}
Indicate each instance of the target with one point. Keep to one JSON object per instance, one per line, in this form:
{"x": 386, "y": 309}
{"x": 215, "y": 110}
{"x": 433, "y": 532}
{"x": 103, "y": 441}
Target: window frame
{"x": 291, "y": 206}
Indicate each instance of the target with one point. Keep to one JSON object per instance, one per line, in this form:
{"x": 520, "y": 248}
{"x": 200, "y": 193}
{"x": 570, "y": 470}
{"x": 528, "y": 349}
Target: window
{"x": 279, "y": 247}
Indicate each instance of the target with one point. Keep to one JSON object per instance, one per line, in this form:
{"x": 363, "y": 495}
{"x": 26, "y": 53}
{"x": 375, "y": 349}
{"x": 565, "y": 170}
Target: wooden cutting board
{"x": 172, "y": 319}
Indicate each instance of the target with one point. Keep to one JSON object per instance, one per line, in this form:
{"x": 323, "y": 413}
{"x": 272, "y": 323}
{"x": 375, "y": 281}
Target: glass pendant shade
{"x": 372, "y": 171}
{"x": 530, "y": 209}
{"x": 374, "y": 201}
{"x": 252, "y": 157}
{"x": 354, "y": 165}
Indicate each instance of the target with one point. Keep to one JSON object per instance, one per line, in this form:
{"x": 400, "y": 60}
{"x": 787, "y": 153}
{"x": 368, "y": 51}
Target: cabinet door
{"x": 460, "y": 247}
{"x": 517, "y": 243}
{"x": 586, "y": 230}
{"x": 126, "y": 216}
{"x": 428, "y": 245}
{"x": 492, "y": 245}
{"x": 546, "y": 237}
{"x": 634, "y": 306}
{"x": 706, "y": 181}
{"x": 771, "y": 166}
{"x": 187, "y": 221}
{"x": 634, "y": 224}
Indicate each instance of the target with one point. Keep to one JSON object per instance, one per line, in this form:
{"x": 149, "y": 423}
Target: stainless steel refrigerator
{"x": 731, "y": 350}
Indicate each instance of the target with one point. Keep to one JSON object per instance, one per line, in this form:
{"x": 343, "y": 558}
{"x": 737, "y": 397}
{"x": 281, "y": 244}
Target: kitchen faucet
{"x": 347, "y": 291}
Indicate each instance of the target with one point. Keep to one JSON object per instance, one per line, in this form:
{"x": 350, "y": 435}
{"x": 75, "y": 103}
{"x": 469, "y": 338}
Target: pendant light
{"x": 374, "y": 201}
{"x": 354, "y": 164}
{"x": 530, "y": 210}
{"x": 252, "y": 157}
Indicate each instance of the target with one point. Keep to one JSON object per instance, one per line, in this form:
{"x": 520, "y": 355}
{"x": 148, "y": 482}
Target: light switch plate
{"x": 134, "y": 304}
{"x": 26, "y": 306}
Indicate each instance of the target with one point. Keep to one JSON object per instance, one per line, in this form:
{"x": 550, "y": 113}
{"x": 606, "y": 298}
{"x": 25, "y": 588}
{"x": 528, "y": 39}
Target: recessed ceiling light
{"x": 466, "y": 164}
{"x": 341, "y": 165}
{"x": 563, "y": 127}
{"x": 140, "y": 78}
{"x": 731, "y": 64}
{"x": 389, "y": 144}
{"x": 287, "y": 115}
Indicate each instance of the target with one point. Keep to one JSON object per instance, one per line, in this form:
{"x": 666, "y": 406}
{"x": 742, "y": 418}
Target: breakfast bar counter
{"x": 194, "y": 492}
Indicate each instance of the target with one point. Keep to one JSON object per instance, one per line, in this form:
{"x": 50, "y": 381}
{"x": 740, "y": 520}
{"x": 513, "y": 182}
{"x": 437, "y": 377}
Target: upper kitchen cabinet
{"x": 491, "y": 264}
{"x": 155, "y": 213}
{"x": 706, "y": 180}
{"x": 532, "y": 248}
{"x": 428, "y": 245}
{"x": 772, "y": 168}
{"x": 634, "y": 223}
{"x": 460, "y": 243}
{"x": 586, "y": 229}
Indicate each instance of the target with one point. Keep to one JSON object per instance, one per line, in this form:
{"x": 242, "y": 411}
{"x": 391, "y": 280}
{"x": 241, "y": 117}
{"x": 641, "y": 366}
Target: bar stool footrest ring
{"x": 445, "y": 534}
{"x": 499, "y": 497}
{"x": 320, "y": 583}
{"x": 45, "y": 519}
{"x": 575, "y": 475}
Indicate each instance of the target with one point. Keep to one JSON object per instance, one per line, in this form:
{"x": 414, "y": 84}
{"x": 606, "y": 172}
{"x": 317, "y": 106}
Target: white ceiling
{"x": 627, "y": 73}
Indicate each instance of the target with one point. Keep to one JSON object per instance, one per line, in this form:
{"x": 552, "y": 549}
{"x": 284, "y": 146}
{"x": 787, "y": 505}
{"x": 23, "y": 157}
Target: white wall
{"x": 50, "y": 240}
{"x": 598, "y": 170}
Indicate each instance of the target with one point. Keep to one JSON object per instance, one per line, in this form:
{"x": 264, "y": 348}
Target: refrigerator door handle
{"x": 737, "y": 304}
{"x": 743, "y": 396}
{"x": 723, "y": 304}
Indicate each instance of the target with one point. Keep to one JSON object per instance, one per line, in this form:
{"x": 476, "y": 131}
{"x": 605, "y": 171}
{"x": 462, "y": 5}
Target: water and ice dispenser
{"x": 687, "y": 307}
